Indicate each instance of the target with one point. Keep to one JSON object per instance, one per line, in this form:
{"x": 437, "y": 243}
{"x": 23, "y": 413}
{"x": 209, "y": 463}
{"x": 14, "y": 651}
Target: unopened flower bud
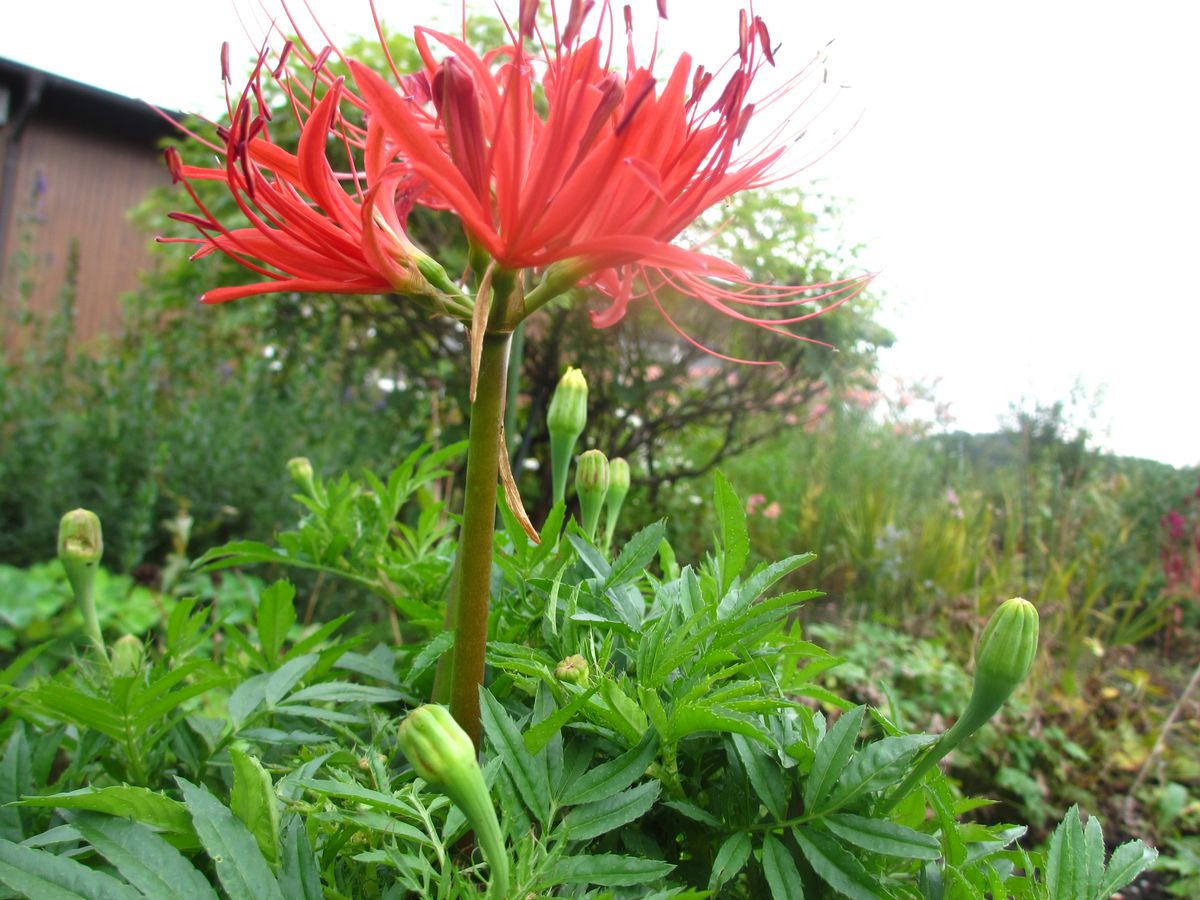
{"x": 80, "y": 546}
{"x": 573, "y": 670}
{"x": 566, "y": 419}
{"x": 439, "y": 750}
{"x": 301, "y": 471}
{"x": 591, "y": 484}
{"x": 127, "y": 656}
{"x": 1004, "y": 656}
{"x": 79, "y": 538}
{"x": 442, "y": 754}
{"x": 618, "y": 487}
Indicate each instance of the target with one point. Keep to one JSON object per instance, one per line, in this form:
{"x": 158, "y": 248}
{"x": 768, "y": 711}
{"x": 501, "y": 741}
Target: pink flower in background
{"x": 772, "y": 511}
{"x": 753, "y": 502}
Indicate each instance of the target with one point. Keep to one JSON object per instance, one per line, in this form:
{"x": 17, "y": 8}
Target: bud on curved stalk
{"x": 80, "y": 546}
{"x": 591, "y": 484}
{"x": 1004, "y": 658}
{"x": 573, "y": 670}
{"x": 618, "y": 487}
{"x": 301, "y": 471}
{"x": 443, "y": 754}
{"x": 127, "y": 656}
{"x": 566, "y": 419}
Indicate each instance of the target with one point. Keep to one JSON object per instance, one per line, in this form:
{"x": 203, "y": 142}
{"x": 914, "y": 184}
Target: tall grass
{"x": 931, "y": 532}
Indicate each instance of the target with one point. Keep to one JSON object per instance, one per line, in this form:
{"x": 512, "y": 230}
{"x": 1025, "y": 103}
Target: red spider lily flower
{"x": 310, "y": 228}
{"x": 599, "y": 186}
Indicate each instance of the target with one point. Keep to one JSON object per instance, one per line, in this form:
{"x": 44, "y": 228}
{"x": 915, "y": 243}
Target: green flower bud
{"x": 566, "y": 419}
{"x": 301, "y": 471}
{"x": 439, "y": 750}
{"x": 127, "y": 656}
{"x": 618, "y": 487}
{"x": 573, "y": 670}
{"x": 79, "y": 538}
{"x": 591, "y": 484}
{"x": 442, "y": 754}
{"x": 1004, "y": 658}
{"x": 80, "y": 546}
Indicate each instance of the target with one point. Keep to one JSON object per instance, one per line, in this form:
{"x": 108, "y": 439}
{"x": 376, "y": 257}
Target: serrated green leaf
{"x": 588, "y": 554}
{"x": 613, "y": 776}
{"x": 836, "y": 865}
{"x": 37, "y": 873}
{"x": 539, "y": 734}
{"x": 637, "y": 553}
{"x": 345, "y": 692}
{"x": 876, "y": 765}
{"x": 731, "y": 857}
{"x": 831, "y": 756}
{"x": 607, "y": 870}
{"x": 694, "y": 812}
{"x": 240, "y": 866}
{"x": 15, "y": 780}
{"x": 780, "y": 870}
{"x": 430, "y": 653}
{"x": 253, "y": 801}
{"x": 143, "y": 858}
{"x": 299, "y": 877}
{"x": 528, "y": 774}
{"x": 1066, "y": 864}
{"x": 735, "y": 541}
{"x": 1127, "y": 863}
{"x": 141, "y": 804}
{"x": 358, "y": 794}
{"x": 881, "y": 836}
{"x": 286, "y": 677}
{"x": 1093, "y": 839}
{"x": 275, "y": 617}
{"x": 318, "y": 637}
{"x": 692, "y": 719}
{"x": 764, "y": 773}
{"x": 590, "y": 820}
{"x": 246, "y": 699}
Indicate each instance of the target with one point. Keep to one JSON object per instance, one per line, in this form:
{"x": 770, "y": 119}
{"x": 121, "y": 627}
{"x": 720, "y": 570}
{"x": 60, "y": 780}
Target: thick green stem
{"x": 478, "y": 529}
{"x": 961, "y": 730}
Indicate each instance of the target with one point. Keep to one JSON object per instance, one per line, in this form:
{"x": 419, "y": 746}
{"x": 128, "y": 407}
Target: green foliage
{"x": 706, "y": 749}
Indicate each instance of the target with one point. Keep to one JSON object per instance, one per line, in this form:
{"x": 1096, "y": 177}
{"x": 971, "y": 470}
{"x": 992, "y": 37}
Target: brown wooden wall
{"x": 72, "y": 186}
{"x": 84, "y": 159}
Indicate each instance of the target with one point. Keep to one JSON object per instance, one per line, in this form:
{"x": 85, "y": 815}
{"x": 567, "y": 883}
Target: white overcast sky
{"x": 1026, "y": 175}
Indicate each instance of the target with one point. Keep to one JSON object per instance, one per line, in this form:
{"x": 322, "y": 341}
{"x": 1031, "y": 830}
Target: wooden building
{"x": 74, "y": 160}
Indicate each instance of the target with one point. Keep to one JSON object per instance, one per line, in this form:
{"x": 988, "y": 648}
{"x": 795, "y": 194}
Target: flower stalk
{"x": 469, "y": 609}
{"x": 1004, "y": 658}
{"x": 618, "y": 487}
{"x": 80, "y": 546}
{"x": 442, "y": 754}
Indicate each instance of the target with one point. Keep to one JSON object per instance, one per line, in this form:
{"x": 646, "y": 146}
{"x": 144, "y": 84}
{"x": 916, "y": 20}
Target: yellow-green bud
{"x": 127, "y": 655}
{"x": 80, "y": 538}
{"x": 618, "y": 487}
{"x": 566, "y": 418}
{"x": 439, "y": 750}
{"x": 573, "y": 669}
{"x": 80, "y": 546}
{"x": 591, "y": 484}
{"x": 1004, "y": 656}
{"x": 442, "y": 753}
{"x": 301, "y": 471}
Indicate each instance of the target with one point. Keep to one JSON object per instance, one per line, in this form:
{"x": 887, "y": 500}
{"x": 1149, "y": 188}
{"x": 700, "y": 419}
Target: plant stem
{"x": 478, "y": 528}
